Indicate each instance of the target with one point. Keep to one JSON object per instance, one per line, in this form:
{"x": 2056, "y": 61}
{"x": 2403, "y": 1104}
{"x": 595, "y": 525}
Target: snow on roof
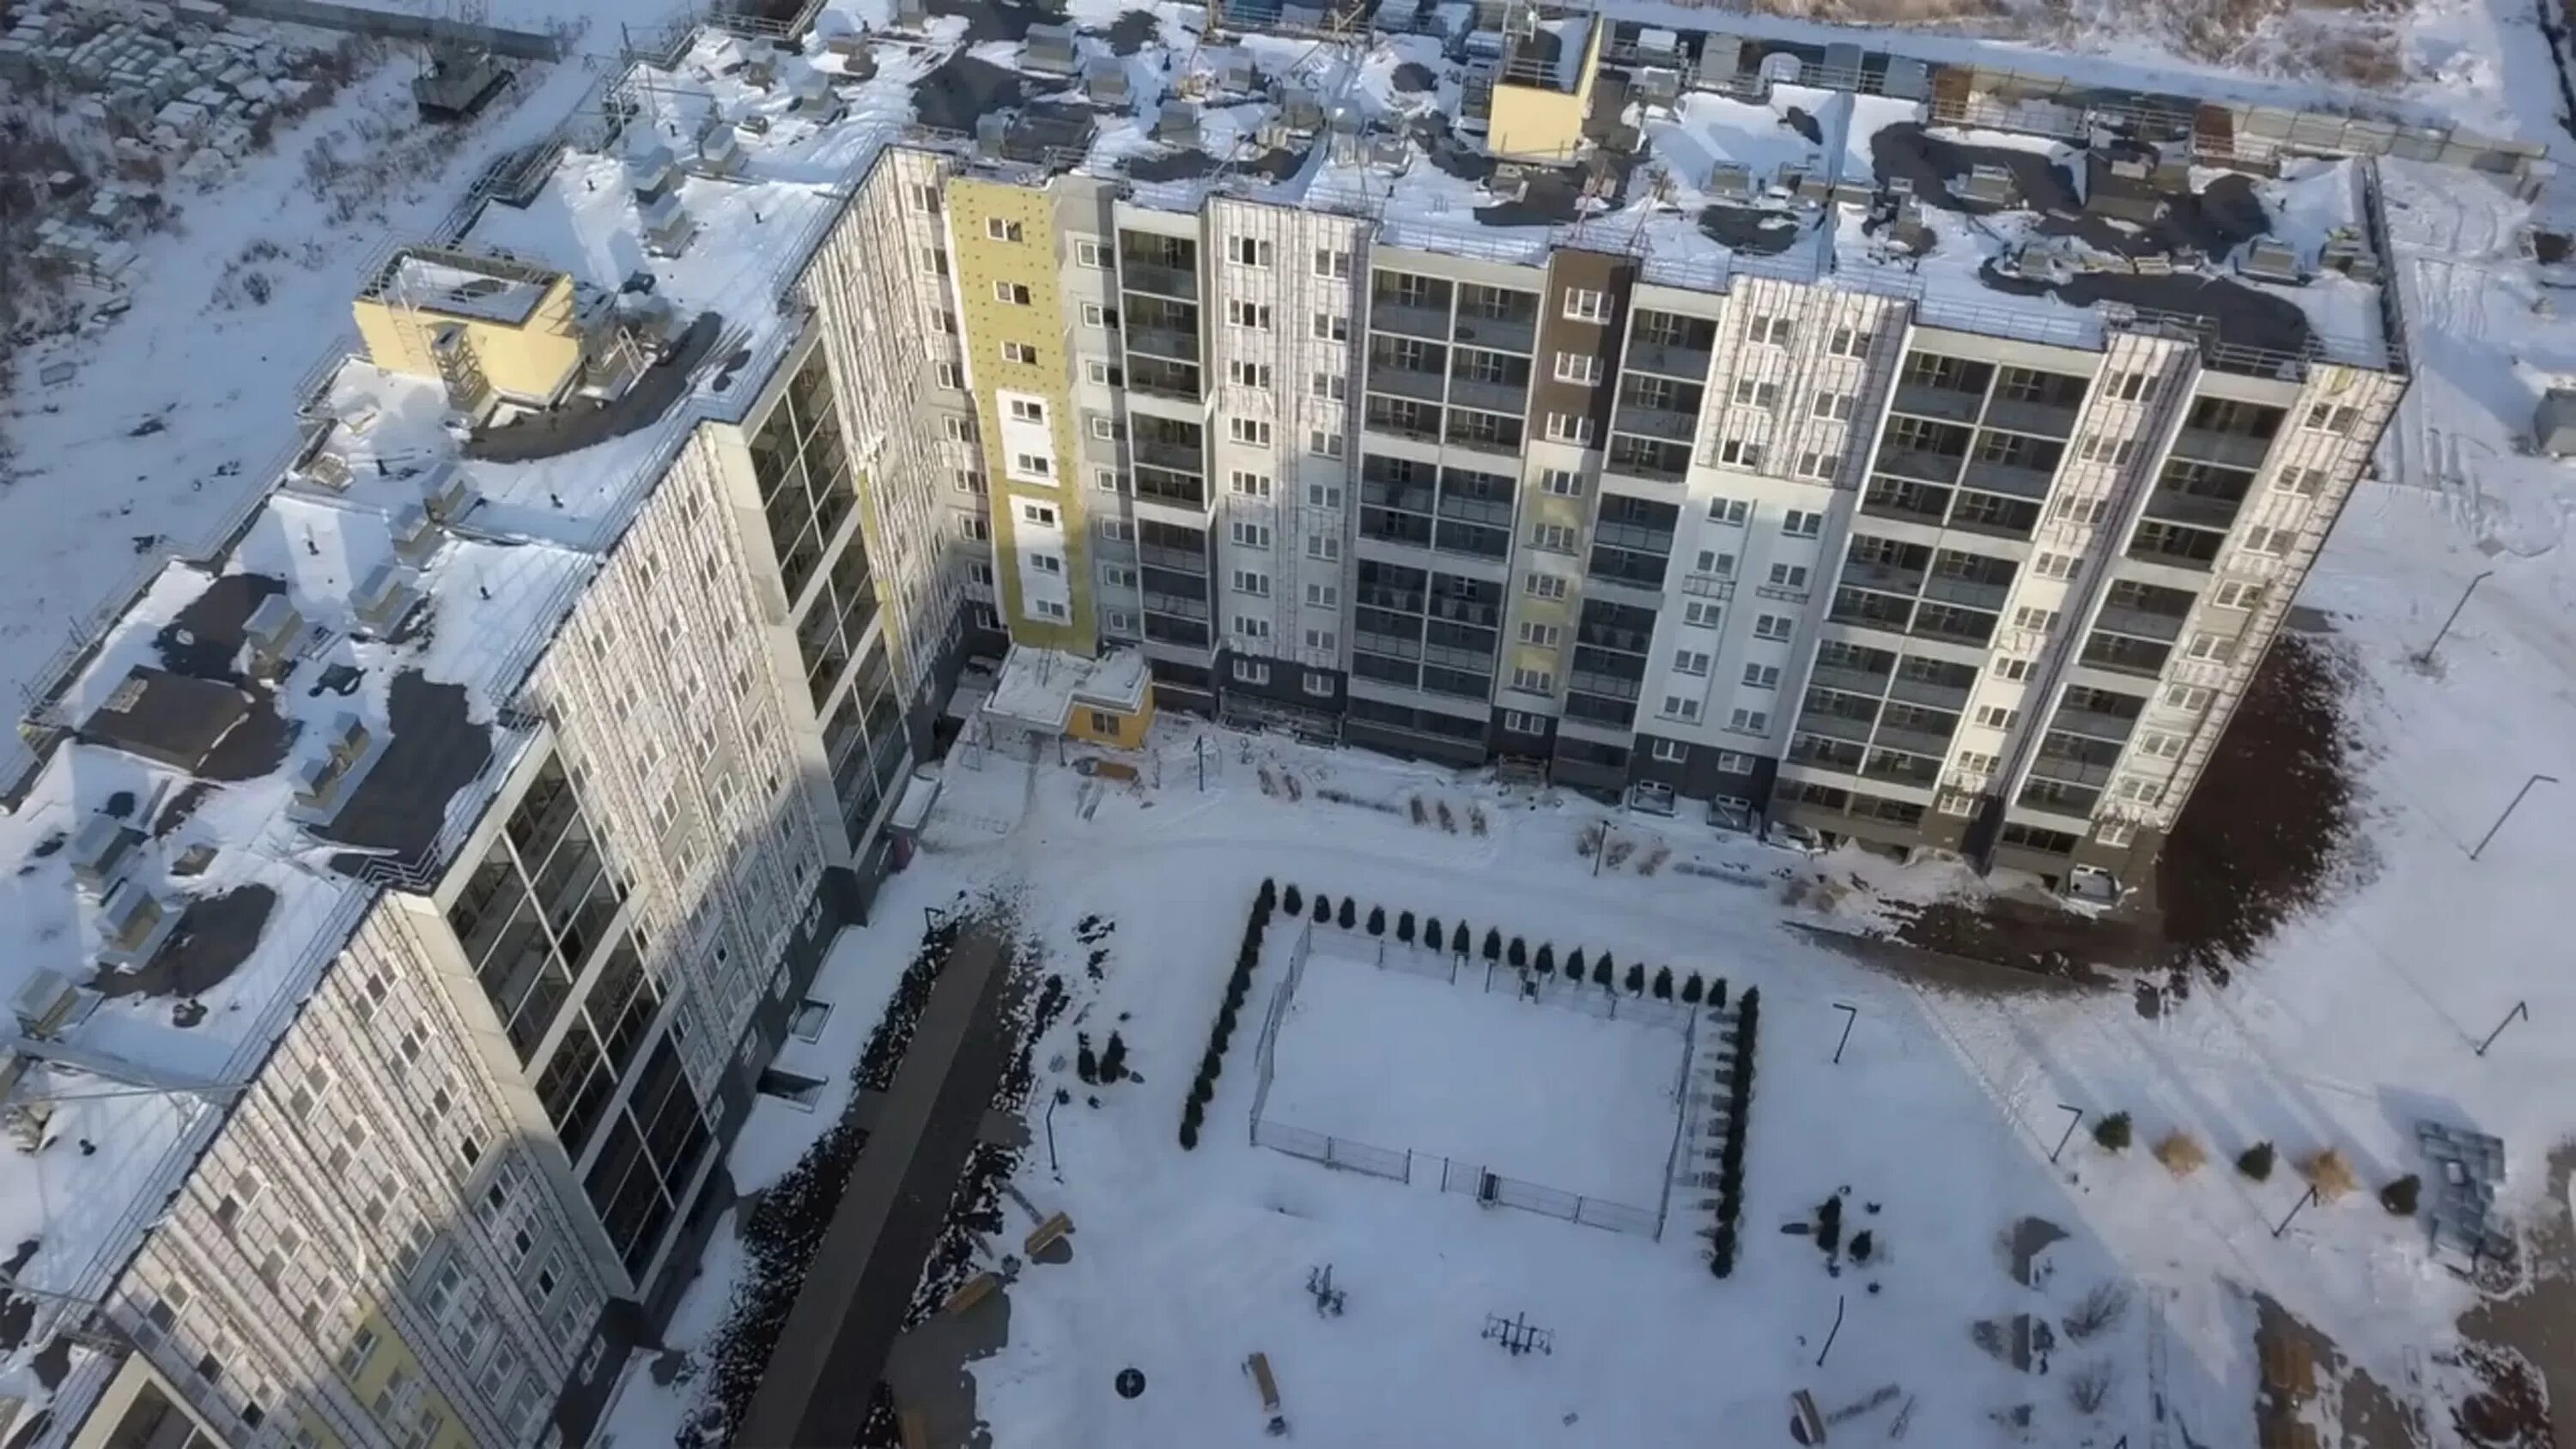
{"x": 264, "y": 885}
{"x": 444, "y": 286}
{"x": 1040, "y": 687}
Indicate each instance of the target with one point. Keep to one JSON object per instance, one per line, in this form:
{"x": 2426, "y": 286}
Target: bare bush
{"x": 2102, "y": 1306}
{"x": 2089, "y": 1387}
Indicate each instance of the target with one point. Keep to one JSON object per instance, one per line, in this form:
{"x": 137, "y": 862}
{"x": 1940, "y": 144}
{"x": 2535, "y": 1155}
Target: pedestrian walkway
{"x": 852, "y": 1305}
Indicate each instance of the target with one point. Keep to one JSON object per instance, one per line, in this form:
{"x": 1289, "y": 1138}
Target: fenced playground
{"x": 1532, "y": 1092}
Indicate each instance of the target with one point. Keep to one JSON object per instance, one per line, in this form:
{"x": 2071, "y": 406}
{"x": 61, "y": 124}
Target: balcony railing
{"x": 2176, "y": 506}
{"x": 1887, "y": 503}
{"x": 1493, "y": 397}
{"x": 1849, "y": 681}
{"x": 2126, "y": 656}
{"x": 1165, "y": 342}
{"x": 1178, "y": 457}
{"x": 2233, "y": 449}
{"x": 2048, "y": 420}
{"x": 1162, "y": 281}
{"x": 1936, "y": 402}
{"x": 1665, "y": 423}
{"x": 1689, "y": 363}
{"x": 1501, "y": 334}
{"x": 1919, "y": 466}
{"x": 1407, "y": 320}
{"x": 2007, "y": 478}
{"x": 1419, "y": 384}
{"x": 2139, "y": 623}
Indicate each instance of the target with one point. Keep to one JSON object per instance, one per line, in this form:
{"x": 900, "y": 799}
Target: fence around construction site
{"x": 1490, "y": 1188}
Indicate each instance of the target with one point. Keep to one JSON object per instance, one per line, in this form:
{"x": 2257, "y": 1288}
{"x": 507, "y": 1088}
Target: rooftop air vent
{"x": 415, "y": 534}
{"x": 2269, "y": 259}
{"x": 271, "y": 636}
{"x": 667, "y": 227}
{"x": 720, "y": 151}
{"x": 446, "y": 491}
{"x": 102, "y": 853}
{"x": 325, "y": 776}
{"x": 133, "y": 922}
{"x": 1105, "y": 82}
{"x": 45, "y": 1003}
{"x": 385, "y": 597}
{"x": 1177, "y": 124}
{"x": 650, "y": 170}
{"x": 1050, "y": 51}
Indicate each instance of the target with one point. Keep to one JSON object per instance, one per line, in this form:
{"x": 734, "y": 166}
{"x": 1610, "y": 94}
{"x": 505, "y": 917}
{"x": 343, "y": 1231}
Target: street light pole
{"x": 2508, "y": 811}
{"x": 2425, "y": 659}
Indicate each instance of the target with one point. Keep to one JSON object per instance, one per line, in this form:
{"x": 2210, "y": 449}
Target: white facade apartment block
{"x": 1286, "y": 299}
{"x": 374, "y": 1171}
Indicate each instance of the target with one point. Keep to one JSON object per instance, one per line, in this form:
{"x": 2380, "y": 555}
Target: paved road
{"x": 860, "y": 1285}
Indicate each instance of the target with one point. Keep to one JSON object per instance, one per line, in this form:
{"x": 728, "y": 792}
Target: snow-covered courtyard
{"x": 1419, "y": 1053}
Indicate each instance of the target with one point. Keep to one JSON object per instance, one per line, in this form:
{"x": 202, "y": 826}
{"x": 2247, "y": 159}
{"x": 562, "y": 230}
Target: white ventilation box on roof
{"x": 133, "y": 923}
{"x": 415, "y": 533}
{"x": 45, "y": 1003}
{"x": 385, "y": 597}
{"x": 102, "y": 852}
{"x": 446, "y": 491}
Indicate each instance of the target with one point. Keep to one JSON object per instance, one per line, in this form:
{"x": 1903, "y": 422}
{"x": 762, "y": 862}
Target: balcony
{"x": 1848, "y": 681}
{"x": 1929, "y": 693}
{"x": 2047, "y": 420}
{"x": 2125, "y": 656}
{"x": 1838, "y": 726}
{"x": 2233, "y": 449}
{"x": 1415, "y": 421}
{"x": 1994, "y": 516}
{"x": 1688, "y": 363}
{"x": 1953, "y": 626}
{"x": 2093, "y": 724}
{"x": 1885, "y": 578}
{"x": 1667, "y": 424}
{"x": 1176, "y": 490}
{"x": 1166, "y": 342}
{"x": 1190, "y": 561}
{"x": 1664, "y": 464}
{"x": 2175, "y": 506}
{"x": 1138, "y": 275}
{"x": 2058, "y": 798}
{"x": 1911, "y": 741}
{"x": 1406, "y": 319}
{"x": 2139, "y": 623}
{"x": 1161, "y": 453}
{"x": 2008, "y": 478}
{"x": 1913, "y": 505}
{"x": 1493, "y": 397}
{"x": 1871, "y": 611}
{"x": 1920, "y": 466}
{"x": 1902, "y": 769}
{"x": 1418, "y": 384}
{"x": 1826, "y": 754}
{"x": 1974, "y": 593}
{"x": 2175, "y": 546}
{"x": 1948, "y": 404}
{"x": 1484, "y": 432}
{"x": 1499, "y": 334}
{"x": 1153, "y": 377}
{"x": 2068, "y": 770}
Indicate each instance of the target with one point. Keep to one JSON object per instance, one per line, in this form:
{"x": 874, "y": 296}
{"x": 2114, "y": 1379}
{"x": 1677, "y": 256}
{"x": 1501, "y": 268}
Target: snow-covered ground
{"x": 2360, "y": 1019}
{"x": 181, "y": 411}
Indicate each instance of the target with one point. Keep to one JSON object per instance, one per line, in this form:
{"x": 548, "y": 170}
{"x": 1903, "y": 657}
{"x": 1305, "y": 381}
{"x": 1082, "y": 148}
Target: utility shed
{"x": 2553, "y": 424}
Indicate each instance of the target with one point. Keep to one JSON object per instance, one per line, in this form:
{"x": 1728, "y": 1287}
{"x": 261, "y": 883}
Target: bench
{"x": 1046, "y": 1234}
{"x": 973, "y": 1291}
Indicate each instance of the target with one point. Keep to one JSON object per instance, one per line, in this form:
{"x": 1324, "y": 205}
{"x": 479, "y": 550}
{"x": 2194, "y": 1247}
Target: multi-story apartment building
{"x": 412, "y": 892}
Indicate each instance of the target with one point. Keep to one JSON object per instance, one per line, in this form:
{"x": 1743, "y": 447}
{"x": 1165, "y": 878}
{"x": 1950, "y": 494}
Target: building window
{"x": 1669, "y": 752}
{"x": 1089, "y": 253}
{"x": 2305, "y": 482}
{"x": 1255, "y": 375}
{"x": 1323, "y": 495}
{"x": 1250, "y": 627}
{"x": 1573, "y": 428}
{"x": 1762, "y": 676}
{"x": 1035, "y": 466}
{"x": 1543, "y": 586}
{"x": 996, "y": 229}
{"x": 1011, "y": 294}
{"x": 1543, "y": 636}
{"x": 2237, "y": 594}
{"x": 1105, "y": 374}
{"x": 1323, "y": 596}
{"x": 1584, "y": 305}
{"x": 924, "y": 197}
{"x": 1324, "y": 444}
{"x": 1330, "y": 328}
{"x": 1749, "y": 721}
{"x": 1250, "y": 535}
{"x": 2190, "y": 698}
{"x": 1323, "y": 547}
{"x": 1248, "y": 430}
{"x": 1997, "y": 717}
{"x": 1729, "y": 511}
{"x": 1248, "y": 484}
{"x": 1563, "y": 482}
{"x": 1520, "y": 723}
{"x": 1756, "y": 393}
{"x": 1255, "y": 315}
{"x": 1691, "y": 661}
{"x": 1019, "y": 353}
{"x": 1318, "y": 684}
{"x": 1253, "y": 582}
{"x": 1533, "y": 681}
{"x": 2330, "y": 418}
{"x": 1320, "y": 639}
{"x": 1849, "y": 342}
{"x": 1028, "y": 410}
{"x": 1739, "y": 452}
{"x": 1797, "y": 523}
{"x": 1776, "y": 331}
{"x": 1249, "y": 252}
{"x": 1052, "y": 610}
{"x": 1788, "y": 576}
{"x": 1095, "y": 315}
{"x": 1578, "y": 367}
{"x": 1329, "y": 385}
{"x": 1701, "y": 614}
{"x": 1681, "y": 707}
{"x": 1251, "y": 671}
{"x": 1773, "y": 626}
{"x": 1731, "y": 763}
{"x": 1834, "y": 405}
{"x": 1330, "y": 263}
{"x": 1553, "y": 537}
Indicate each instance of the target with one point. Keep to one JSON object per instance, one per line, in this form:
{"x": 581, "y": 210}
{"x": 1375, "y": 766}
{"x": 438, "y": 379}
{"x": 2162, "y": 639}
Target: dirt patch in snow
{"x": 2358, "y": 42}
{"x": 2267, "y": 834}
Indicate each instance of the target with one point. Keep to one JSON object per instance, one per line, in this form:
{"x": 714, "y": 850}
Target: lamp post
{"x": 2425, "y": 659}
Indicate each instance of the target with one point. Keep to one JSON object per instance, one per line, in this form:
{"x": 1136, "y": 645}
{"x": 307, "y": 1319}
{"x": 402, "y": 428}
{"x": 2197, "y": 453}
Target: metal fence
{"x": 1495, "y": 1190}
{"x": 1490, "y": 1188}
{"x": 1333, "y": 1151}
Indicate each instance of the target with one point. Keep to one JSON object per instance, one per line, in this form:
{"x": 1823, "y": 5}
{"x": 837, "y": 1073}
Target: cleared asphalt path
{"x": 846, "y": 1317}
